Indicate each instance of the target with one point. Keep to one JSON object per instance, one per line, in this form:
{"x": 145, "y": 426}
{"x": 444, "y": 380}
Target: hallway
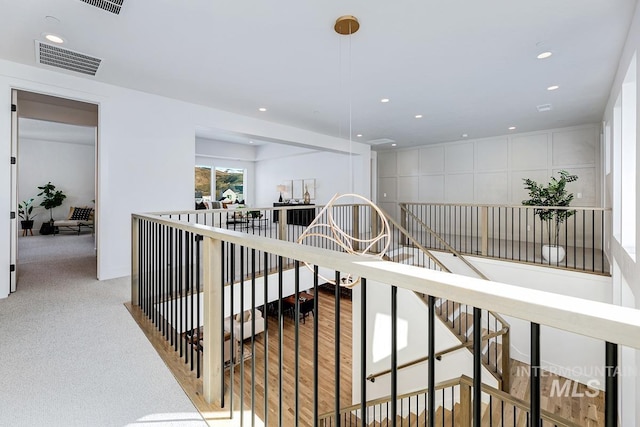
{"x": 70, "y": 353}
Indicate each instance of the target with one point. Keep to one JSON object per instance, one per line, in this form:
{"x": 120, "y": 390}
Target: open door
{"x": 13, "y": 274}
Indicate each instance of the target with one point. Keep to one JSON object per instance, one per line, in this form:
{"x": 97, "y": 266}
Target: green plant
{"x": 25, "y": 208}
{"x": 51, "y": 198}
{"x": 554, "y": 194}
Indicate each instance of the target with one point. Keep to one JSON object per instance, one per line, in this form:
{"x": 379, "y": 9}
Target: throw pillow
{"x": 81, "y": 214}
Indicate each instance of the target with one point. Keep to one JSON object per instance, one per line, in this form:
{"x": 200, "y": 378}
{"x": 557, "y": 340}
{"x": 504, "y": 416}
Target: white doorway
{"x": 55, "y": 142}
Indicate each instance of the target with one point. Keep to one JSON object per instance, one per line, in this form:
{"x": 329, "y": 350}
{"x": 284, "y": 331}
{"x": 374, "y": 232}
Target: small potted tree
{"x": 25, "y": 209}
{"x": 554, "y": 194}
{"x": 51, "y": 198}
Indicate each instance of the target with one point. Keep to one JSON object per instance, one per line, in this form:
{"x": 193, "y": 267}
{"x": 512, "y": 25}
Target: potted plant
{"x": 554, "y": 194}
{"x": 25, "y": 208}
{"x": 51, "y": 198}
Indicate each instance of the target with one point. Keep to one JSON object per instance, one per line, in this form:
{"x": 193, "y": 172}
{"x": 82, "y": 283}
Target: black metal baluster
{"x": 296, "y": 341}
{"x": 431, "y": 374}
{"x": 280, "y": 337}
{"x": 222, "y": 335}
{"x": 535, "y": 375}
{"x": 336, "y": 350}
{"x": 315, "y": 344}
{"x": 253, "y": 337}
{"x": 611, "y": 386}
{"x": 477, "y": 367}
{"x": 394, "y": 353}
{"x": 266, "y": 338}
{"x": 363, "y": 352}
{"x": 241, "y": 337}
{"x": 232, "y": 306}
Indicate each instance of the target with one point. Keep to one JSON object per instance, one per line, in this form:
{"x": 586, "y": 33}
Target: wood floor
{"x": 585, "y": 411}
{"x": 271, "y": 337}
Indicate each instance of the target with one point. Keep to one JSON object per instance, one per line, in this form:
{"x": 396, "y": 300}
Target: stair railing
{"x": 454, "y": 408}
{"x": 498, "y": 346}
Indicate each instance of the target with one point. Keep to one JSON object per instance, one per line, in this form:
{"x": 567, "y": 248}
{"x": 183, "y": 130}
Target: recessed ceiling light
{"x": 359, "y": 135}
{"x": 554, "y": 87}
{"x": 544, "y": 55}
{"x": 464, "y": 135}
{"x": 250, "y": 142}
{"x": 383, "y": 100}
{"x": 394, "y": 144}
{"x": 262, "y": 109}
{"x": 53, "y": 38}
{"x": 418, "y": 116}
{"x": 512, "y": 128}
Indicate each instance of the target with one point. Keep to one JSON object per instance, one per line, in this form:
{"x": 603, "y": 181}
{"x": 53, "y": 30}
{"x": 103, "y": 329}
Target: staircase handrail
{"x": 444, "y": 242}
{"x": 417, "y": 244}
{"x": 438, "y": 355}
{"x": 466, "y": 381}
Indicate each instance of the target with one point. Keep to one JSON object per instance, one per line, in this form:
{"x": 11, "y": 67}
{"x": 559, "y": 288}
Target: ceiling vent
{"x": 544, "y": 107}
{"x": 112, "y": 6}
{"x": 64, "y": 58}
{"x": 380, "y": 141}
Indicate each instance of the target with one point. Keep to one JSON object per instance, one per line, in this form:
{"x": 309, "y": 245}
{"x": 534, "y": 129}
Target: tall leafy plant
{"x": 554, "y": 194}
{"x": 51, "y": 198}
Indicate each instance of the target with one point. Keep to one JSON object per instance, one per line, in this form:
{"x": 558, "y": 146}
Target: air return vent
{"x": 380, "y": 141}
{"x": 64, "y": 58}
{"x": 112, "y": 6}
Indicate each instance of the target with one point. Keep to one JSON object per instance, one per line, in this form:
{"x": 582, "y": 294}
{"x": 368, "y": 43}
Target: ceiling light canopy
{"x": 544, "y": 55}
{"x": 347, "y": 25}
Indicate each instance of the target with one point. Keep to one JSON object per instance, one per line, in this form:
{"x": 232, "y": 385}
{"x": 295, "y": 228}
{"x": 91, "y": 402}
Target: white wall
{"x": 70, "y": 167}
{"x": 626, "y": 272}
{"x": 146, "y": 153}
{"x": 332, "y": 171}
{"x": 491, "y": 170}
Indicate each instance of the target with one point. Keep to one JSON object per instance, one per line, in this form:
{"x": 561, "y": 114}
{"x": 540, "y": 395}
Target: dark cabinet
{"x": 298, "y": 216}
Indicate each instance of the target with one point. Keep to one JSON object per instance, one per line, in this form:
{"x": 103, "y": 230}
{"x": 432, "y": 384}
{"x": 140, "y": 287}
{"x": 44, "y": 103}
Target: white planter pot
{"x": 553, "y": 254}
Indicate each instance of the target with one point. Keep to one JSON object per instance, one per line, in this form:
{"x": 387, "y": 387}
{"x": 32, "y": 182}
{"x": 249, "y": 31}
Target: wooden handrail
{"x": 413, "y": 240}
{"x": 444, "y": 243}
{"x": 439, "y": 354}
{"x": 468, "y": 382}
{"x": 477, "y": 205}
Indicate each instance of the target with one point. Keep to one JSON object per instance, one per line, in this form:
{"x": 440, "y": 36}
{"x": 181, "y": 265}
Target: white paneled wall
{"x": 491, "y": 170}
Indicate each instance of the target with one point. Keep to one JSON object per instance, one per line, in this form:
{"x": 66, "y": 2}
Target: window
{"x": 628, "y": 163}
{"x": 229, "y": 178}
{"x": 203, "y": 182}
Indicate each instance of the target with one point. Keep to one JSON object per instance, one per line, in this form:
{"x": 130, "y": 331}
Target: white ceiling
{"x": 467, "y": 66}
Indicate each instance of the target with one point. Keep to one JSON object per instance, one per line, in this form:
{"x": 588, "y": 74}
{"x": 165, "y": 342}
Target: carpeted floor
{"x": 70, "y": 353}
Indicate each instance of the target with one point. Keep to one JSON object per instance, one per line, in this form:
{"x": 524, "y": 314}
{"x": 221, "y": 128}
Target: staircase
{"x": 456, "y": 316}
{"x": 453, "y": 409}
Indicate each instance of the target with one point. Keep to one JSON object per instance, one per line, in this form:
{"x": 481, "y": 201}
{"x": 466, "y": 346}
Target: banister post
{"x": 506, "y": 362}
{"x": 403, "y": 218}
{"x": 484, "y": 231}
{"x": 355, "y": 221}
{"x": 375, "y": 229}
{"x": 465, "y": 404}
{"x": 282, "y": 224}
{"x": 134, "y": 260}
{"x": 213, "y": 293}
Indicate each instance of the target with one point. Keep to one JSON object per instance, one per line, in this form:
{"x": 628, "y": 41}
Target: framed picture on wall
{"x": 297, "y": 188}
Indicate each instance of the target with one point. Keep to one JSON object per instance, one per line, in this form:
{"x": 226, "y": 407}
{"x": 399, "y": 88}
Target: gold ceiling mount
{"x": 347, "y": 25}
